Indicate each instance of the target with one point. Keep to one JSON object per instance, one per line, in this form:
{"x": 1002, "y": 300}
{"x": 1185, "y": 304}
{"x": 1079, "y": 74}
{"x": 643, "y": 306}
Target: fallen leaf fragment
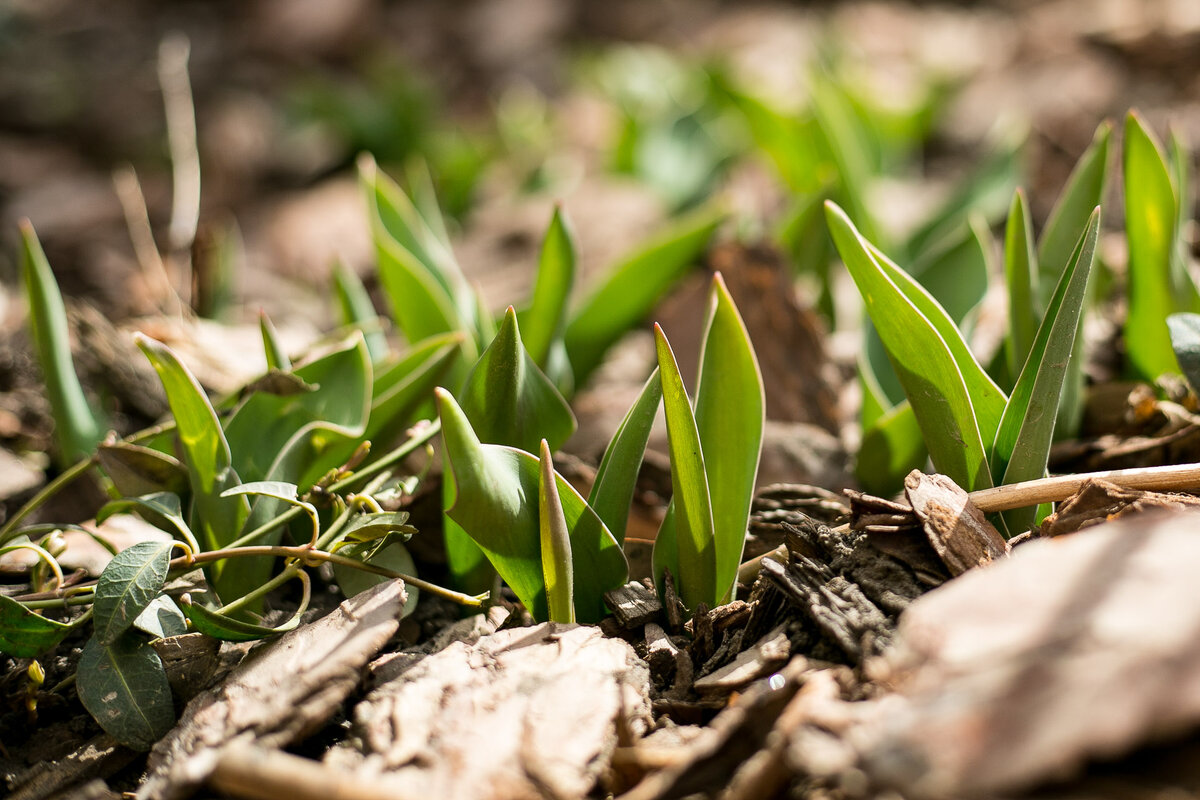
{"x": 1099, "y": 501}
{"x": 1075, "y": 648}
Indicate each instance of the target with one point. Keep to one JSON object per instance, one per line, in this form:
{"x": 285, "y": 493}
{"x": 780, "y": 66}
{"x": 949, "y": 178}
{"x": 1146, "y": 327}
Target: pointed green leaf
{"x": 629, "y": 290}
{"x": 136, "y": 470}
{"x": 1150, "y": 217}
{"x": 555, "y": 542}
{"x": 730, "y": 413}
{"x": 1021, "y": 275}
{"x": 228, "y": 629}
{"x": 545, "y": 320}
{"x": 205, "y": 451}
{"x": 690, "y": 550}
{"x": 496, "y": 505}
{"x": 425, "y": 287}
{"x": 124, "y": 686}
{"x": 930, "y": 358}
{"x": 25, "y": 634}
{"x": 277, "y": 357}
{"x": 616, "y": 477}
{"x": 355, "y": 308}
{"x": 1022, "y": 446}
{"x": 890, "y": 449}
{"x": 509, "y": 400}
{"x": 76, "y": 427}
{"x": 402, "y": 389}
{"x": 1083, "y": 192}
{"x": 133, "y": 578}
{"x": 1185, "y": 339}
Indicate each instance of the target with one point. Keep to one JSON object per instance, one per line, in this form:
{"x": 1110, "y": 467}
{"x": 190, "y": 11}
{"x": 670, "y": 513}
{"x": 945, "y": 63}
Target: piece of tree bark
{"x": 958, "y": 531}
{"x": 1078, "y": 648}
{"x": 1099, "y": 501}
{"x": 525, "y": 713}
{"x": 279, "y": 694}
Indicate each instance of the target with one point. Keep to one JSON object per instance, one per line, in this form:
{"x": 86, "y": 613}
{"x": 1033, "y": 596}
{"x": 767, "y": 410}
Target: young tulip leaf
{"x": 391, "y": 554}
{"x": 277, "y": 357}
{"x": 1022, "y": 446}
{"x": 543, "y": 323}
{"x": 136, "y": 470}
{"x": 123, "y": 685}
{"x": 133, "y": 578}
{"x": 1179, "y": 161}
{"x": 1150, "y": 217}
{"x": 205, "y": 452}
{"x": 494, "y": 503}
{"x": 631, "y": 288}
{"x": 686, "y": 543}
{"x": 161, "y": 509}
{"x": 730, "y": 413}
{"x": 76, "y": 427}
{"x": 1083, "y": 192}
{"x": 616, "y": 477}
{"x": 1185, "y": 339}
{"x": 403, "y": 389}
{"x": 355, "y": 308}
{"x": 1021, "y": 275}
{"x": 890, "y": 449}
{"x": 956, "y": 403}
{"x": 25, "y": 634}
{"x": 424, "y": 285}
{"x": 555, "y": 543}
{"x": 509, "y": 400}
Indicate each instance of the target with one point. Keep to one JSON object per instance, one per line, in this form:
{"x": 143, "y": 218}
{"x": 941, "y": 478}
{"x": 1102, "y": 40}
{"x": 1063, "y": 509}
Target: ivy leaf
{"x": 137, "y": 470}
{"x": 228, "y": 629}
{"x": 390, "y": 554}
{"x": 25, "y": 634}
{"x": 124, "y": 686}
{"x": 162, "y": 618}
{"x": 133, "y": 578}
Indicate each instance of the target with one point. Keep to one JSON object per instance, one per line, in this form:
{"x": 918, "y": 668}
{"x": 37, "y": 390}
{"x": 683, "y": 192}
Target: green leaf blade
{"x": 76, "y": 427}
{"x": 1185, "y": 339}
{"x": 694, "y": 537}
{"x": 616, "y": 477}
{"x": 133, "y": 578}
{"x": 630, "y": 289}
{"x": 1022, "y": 446}
{"x": 730, "y": 413}
{"x": 929, "y": 364}
{"x": 1021, "y": 276}
{"x": 1150, "y": 217}
{"x": 124, "y": 686}
{"x": 25, "y": 634}
{"x": 1083, "y": 192}
{"x": 555, "y": 543}
{"x": 544, "y": 322}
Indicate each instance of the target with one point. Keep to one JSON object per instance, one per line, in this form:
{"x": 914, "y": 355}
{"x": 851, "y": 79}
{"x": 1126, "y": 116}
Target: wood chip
{"x": 634, "y": 604}
{"x": 765, "y": 656}
{"x": 958, "y": 531}
{"x": 282, "y": 692}
{"x": 1074, "y": 648}
{"x": 531, "y": 712}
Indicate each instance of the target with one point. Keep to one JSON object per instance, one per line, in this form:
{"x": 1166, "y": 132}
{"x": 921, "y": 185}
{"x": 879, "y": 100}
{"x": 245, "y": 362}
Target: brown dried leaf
{"x": 958, "y": 531}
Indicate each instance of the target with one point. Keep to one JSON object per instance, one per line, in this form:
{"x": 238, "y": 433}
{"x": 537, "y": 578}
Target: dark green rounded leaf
{"x": 124, "y": 686}
{"x": 133, "y": 578}
{"x": 23, "y": 633}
